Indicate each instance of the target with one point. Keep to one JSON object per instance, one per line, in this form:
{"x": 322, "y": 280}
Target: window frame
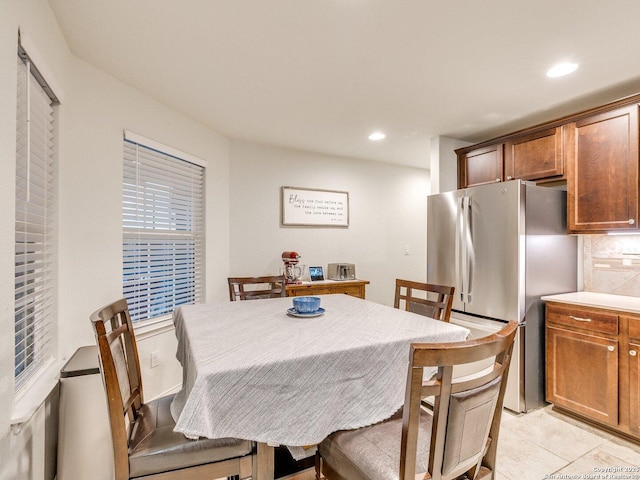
{"x": 35, "y": 222}
{"x": 150, "y": 157}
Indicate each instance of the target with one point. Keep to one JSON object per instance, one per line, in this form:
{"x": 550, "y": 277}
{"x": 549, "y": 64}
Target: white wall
{"x": 387, "y": 212}
{"x": 243, "y": 214}
{"x": 95, "y": 110}
{"x": 22, "y": 455}
{"x": 444, "y": 163}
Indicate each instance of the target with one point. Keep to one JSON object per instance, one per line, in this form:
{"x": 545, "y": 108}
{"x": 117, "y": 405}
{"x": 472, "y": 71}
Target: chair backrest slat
{"x": 426, "y": 299}
{"x": 253, "y": 288}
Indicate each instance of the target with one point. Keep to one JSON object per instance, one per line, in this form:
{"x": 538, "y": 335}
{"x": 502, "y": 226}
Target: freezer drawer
{"x": 480, "y": 327}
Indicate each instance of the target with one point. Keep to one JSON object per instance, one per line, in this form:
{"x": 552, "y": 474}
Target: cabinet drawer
{"x": 301, "y": 292}
{"x": 355, "y": 289}
{"x": 586, "y": 319}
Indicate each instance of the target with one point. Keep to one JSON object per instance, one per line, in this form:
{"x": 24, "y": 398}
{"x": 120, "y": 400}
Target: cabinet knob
{"x": 631, "y": 221}
{"x": 497, "y": 179}
{"x": 611, "y": 348}
{"x": 509, "y": 177}
{"x": 633, "y": 353}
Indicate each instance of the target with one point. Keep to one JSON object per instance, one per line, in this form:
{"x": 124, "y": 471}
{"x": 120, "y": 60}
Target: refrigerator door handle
{"x": 459, "y": 255}
{"x": 464, "y": 249}
{"x": 469, "y": 254}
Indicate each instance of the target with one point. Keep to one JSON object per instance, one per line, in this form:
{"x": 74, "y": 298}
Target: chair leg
{"x": 318, "y": 467}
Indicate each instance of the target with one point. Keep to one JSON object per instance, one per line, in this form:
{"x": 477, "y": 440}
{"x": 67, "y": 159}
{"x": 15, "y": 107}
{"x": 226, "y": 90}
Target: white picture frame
{"x": 313, "y": 207}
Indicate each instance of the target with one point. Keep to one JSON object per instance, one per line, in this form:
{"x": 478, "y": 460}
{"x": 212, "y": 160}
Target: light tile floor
{"x": 544, "y": 444}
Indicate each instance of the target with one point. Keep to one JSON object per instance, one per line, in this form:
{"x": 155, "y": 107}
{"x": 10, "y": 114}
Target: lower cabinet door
{"x": 582, "y": 374}
{"x": 634, "y": 387}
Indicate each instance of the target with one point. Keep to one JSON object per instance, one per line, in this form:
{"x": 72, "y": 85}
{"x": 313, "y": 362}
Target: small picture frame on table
{"x": 316, "y": 274}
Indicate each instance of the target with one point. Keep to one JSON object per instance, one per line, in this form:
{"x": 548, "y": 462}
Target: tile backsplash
{"x": 612, "y": 264}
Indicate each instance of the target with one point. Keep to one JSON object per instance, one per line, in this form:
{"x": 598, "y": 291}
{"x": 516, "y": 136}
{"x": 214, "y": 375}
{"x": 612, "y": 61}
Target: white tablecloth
{"x": 251, "y": 371}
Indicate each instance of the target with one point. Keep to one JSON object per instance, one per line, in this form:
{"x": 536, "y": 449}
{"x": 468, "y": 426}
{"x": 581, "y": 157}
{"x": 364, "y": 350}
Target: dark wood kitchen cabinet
{"x": 602, "y": 181}
{"x": 535, "y": 156}
{"x": 592, "y": 365}
{"x": 594, "y": 152}
{"x": 582, "y": 362}
{"x": 634, "y": 374}
{"x": 480, "y": 166}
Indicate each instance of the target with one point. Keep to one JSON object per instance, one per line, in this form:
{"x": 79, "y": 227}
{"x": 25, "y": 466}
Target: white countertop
{"x": 598, "y": 300}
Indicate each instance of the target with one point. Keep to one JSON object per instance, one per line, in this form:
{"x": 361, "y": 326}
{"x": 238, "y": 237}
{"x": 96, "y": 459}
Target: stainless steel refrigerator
{"x": 503, "y": 246}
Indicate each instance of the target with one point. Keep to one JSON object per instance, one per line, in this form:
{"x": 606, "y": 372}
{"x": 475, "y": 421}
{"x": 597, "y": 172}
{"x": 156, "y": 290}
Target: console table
{"x": 355, "y": 288}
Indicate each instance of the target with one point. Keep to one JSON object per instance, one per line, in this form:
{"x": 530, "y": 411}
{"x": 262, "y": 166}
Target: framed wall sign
{"x": 314, "y": 207}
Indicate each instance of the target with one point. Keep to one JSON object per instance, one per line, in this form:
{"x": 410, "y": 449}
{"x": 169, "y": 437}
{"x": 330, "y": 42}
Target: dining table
{"x": 259, "y": 371}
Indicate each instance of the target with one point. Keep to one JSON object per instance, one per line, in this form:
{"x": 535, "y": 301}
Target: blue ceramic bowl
{"x": 306, "y": 304}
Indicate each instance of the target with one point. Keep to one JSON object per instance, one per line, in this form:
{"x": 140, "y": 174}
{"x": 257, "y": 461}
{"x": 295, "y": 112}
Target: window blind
{"x": 34, "y": 226}
{"x": 163, "y": 231}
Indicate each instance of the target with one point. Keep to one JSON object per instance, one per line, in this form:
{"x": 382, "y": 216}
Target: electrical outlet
{"x": 155, "y": 360}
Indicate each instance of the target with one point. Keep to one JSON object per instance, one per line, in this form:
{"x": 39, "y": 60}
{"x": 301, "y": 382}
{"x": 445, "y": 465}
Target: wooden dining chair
{"x": 431, "y": 300}
{"x": 251, "y": 288}
{"x": 458, "y": 440}
{"x": 144, "y": 443}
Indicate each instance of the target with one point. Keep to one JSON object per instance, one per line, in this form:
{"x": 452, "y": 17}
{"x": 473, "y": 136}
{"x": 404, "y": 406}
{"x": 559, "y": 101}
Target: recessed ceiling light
{"x": 562, "y": 69}
{"x": 377, "y": 136}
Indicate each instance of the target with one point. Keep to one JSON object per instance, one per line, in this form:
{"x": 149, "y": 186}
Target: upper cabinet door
{"x": 480, "y": 166}
{"x": 602, "y": 162}
{"x": 535, "y": 156}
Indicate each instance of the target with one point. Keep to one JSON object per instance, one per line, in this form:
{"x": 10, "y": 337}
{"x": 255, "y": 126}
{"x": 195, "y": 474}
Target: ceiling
{"x": 320, "y": 75}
